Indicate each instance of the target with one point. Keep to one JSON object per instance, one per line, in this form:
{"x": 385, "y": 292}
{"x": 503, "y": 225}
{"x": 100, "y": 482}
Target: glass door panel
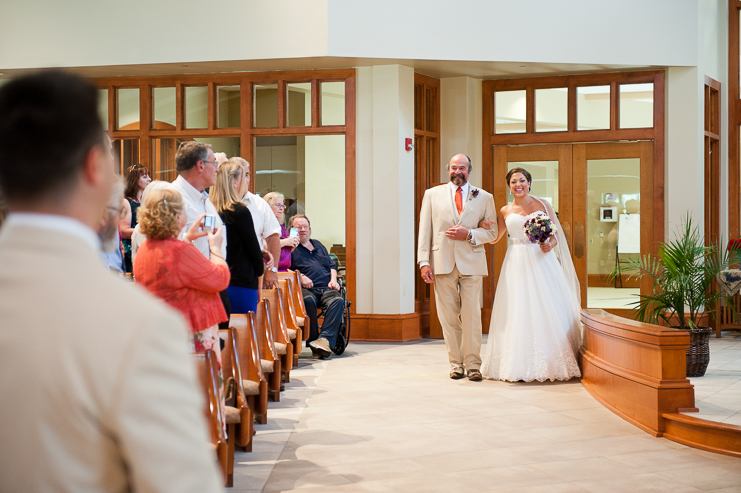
{"x": 613, "y": 229}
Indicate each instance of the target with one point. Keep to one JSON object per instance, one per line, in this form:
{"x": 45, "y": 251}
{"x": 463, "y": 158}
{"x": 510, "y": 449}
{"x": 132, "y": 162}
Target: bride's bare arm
{"x": 502, "y": 227}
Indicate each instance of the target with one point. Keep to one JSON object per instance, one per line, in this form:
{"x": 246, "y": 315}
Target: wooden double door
{"x": 605, "y": 198}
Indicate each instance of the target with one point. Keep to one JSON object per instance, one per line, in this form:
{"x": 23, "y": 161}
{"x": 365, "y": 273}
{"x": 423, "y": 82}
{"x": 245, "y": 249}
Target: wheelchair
{"x": 343, "y": 335}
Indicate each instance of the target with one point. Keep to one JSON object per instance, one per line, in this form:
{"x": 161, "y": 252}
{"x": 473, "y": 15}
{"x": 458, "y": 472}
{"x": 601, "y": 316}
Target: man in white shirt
{"x": 197, "y": 167}
{"x": 102, "y": 394}
{"x": 267, "y": 227}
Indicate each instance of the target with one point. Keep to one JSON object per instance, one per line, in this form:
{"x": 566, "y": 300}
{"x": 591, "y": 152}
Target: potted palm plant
{"x": 682, "y": 272}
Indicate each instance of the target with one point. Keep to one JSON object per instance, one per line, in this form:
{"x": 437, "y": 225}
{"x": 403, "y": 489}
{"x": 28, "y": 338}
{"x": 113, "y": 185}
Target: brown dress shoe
{"x": 474, "y": 375}
{"x": 456, "y": 373}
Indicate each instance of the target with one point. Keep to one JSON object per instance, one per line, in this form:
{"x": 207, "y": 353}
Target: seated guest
{"x": 276, "y": 201}
{"x": 319, "y": 288}
{"x": 176, "y": 271}
{"x": 137, "y": 238}
{"x": 243, "y": 252}
{"x": 101, "y": 394}
{"x": 137, "y": 179}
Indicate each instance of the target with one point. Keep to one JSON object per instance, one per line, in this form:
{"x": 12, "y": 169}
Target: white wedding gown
{"x": 535, "y": 330}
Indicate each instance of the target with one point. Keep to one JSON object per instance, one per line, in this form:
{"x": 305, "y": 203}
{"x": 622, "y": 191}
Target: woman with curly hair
{"x": 177, "y": 272}
{"x": 137, "y": 179}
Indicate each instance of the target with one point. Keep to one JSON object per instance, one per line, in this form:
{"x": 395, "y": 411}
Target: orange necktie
{"x": 459, "y": 199}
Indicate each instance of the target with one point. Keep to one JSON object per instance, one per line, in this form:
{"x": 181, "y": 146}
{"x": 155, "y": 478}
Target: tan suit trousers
{"x": 457, "y": 299}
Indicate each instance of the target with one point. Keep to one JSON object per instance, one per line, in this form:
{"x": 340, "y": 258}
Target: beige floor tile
{"x": 359, "y": 472}
{"x": 465, "y": 461}
{"x": 578, "y": 469}
{"x": 610, "y": 446}
{"x": 546, "y": 488}
{"x": 663, "y": 460}
{"x": 638, "y": 483}
{"x": 546, "y": 453}
{"x": 502, "y": 477}
{"x": 721, "y": 475}
{"x": 537, "y": 420}
{"x": 592, "y": 415}
{"x": 587, "y": 431}
{"x": 295, "y": 474}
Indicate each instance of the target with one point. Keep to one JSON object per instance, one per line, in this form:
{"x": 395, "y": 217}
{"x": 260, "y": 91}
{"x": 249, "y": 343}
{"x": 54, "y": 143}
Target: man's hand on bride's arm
{"x": 457, "y": 233}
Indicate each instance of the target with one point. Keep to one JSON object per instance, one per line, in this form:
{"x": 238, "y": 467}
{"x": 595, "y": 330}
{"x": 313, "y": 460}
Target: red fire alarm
{"x": 408, "y": 144}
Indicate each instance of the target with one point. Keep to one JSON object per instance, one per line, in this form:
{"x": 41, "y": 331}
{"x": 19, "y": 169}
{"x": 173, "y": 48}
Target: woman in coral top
{"x": 177, "y": 272}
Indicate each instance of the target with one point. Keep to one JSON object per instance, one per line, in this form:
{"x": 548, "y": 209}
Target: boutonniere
{"x": 474, "y": 193}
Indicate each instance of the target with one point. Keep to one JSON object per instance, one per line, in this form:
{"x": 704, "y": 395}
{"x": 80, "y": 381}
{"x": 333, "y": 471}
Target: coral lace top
{"x": 179, "y": 274}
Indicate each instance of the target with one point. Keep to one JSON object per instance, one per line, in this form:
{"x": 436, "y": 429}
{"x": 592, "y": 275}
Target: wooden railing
{"x": 638, "y": 371}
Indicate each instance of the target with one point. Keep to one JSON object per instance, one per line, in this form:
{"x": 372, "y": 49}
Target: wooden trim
{"x": 734, "y": 120}
{"x": 720, "y": 438}
{"x": 569, "y": 137}
{"x": 636, "y": 370}
{"x": 385, "y": 328}
{"x": 350, "y": 191}
{"x": 573, "y": 80}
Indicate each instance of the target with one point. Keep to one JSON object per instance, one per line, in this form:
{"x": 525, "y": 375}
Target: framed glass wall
{"x": 255, "y": 116}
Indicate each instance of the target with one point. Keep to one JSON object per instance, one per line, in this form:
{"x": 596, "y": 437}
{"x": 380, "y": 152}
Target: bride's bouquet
{"x": 539, "y": 227}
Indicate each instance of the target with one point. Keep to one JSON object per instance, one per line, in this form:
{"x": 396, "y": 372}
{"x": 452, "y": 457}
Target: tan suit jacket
{"x": 98, "y": 390}
{"x": 438, "y": 214}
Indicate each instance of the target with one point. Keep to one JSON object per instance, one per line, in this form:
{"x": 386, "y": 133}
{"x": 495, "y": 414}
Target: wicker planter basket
{"x": 698, "y": 352}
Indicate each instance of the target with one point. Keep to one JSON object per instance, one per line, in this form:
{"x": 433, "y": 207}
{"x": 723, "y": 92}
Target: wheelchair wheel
{"x": 340, "y": 344}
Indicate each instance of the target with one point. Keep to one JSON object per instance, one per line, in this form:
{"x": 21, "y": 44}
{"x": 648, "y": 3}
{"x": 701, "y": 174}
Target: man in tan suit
{"x": 98, "y": 390}
{"x": 451, "y": 253}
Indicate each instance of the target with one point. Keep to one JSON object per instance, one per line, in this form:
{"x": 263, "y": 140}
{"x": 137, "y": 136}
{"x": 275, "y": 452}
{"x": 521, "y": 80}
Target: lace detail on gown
{"x": 535, "y": 330}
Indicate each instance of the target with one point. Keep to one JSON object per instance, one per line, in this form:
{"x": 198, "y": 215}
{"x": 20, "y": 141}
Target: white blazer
{"x": 438, "y": 214}
{"x": 97, "y": 389}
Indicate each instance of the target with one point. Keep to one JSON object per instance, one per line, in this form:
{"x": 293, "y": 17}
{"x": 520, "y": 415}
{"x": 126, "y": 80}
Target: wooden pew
{"x": 250, "y": 362}
{"x": 278, "y": 323}
{"x": 206, "y": 368}
{"x": 240, "y": 418}
{"x": 298, "y": 299}
{"x": 269, "y": 358}
{"x": 294, "y": 329}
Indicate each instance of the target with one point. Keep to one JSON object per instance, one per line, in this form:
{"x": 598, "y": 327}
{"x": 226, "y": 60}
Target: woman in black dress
{"x": 243, "y": 252}
{"x": 137, "y": 179}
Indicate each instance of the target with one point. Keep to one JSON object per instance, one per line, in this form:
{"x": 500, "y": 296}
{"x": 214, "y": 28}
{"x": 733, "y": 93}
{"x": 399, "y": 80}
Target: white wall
{"x": 460, "y": 125}
{"x": 656, "y": 32}
{"x": 385, "y": 190}
{"x": 94, "y": 33}
{"x": 50, "y": 33}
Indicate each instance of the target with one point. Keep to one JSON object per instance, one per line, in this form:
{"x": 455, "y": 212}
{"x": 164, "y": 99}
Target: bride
{"x": 535, "y": 330}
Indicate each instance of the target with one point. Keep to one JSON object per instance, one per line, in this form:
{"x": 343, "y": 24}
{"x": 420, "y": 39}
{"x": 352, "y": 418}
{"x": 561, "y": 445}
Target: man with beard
{"x": 451, "y": 253}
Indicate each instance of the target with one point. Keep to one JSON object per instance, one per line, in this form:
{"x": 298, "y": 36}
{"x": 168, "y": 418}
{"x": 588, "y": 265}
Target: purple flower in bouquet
{"x": 539, "y": 227}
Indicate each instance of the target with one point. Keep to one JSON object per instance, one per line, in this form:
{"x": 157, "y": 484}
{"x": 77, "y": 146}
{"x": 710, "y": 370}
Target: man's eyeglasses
{"x": 279, "y": 206}
{"x": 212, "y": 163}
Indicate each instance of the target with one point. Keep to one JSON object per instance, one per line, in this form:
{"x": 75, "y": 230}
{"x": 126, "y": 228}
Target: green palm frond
{"x": 682, "y": 273}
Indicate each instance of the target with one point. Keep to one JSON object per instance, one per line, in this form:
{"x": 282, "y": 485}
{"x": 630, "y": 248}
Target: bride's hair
{"x": 525, "y": 172}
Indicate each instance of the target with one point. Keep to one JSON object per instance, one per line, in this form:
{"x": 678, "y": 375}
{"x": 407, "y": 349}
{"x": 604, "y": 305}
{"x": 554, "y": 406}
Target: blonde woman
{"x": 243, "y": 252}
{"x": 137, "y": 237}
{"x": 176, "y": 271}
{"x": 287, "y": 243}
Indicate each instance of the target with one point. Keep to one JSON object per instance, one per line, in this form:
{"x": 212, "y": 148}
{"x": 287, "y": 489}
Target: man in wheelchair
{"x": 319, "y": 287}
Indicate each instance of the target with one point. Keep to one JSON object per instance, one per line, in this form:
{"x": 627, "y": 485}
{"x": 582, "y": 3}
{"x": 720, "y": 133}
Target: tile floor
{"x": 386, "y": 417}
{"x": 718, "y": 393}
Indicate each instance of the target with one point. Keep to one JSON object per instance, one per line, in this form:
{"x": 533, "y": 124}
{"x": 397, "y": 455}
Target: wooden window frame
{"x": 571, "y": 135}
{"x": 734, "y": 120}
{"x": 424, "y": 178}
{"x": 246, "y": 132}
{"x": 712, "y": 144}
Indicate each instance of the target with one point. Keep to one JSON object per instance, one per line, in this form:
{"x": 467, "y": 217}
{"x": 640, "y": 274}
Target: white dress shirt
{"x": 262, "y": 216}
{"x": 197, "y": 203}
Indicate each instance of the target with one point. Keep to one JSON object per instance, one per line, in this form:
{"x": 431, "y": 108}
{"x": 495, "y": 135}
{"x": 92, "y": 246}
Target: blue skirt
{"x": 243, "y": 300}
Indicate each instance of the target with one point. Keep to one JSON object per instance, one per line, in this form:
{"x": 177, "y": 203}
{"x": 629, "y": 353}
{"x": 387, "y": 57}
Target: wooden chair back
{"x": 207, "y": 371}
{"x": 247, "y": 346}
{"x": 298, "y": 297}
{"x": 727, "y": 314}
{"x": 276, "y": 311}
{"x": 264, "y": 330}
{"x": 287, "y": 298}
